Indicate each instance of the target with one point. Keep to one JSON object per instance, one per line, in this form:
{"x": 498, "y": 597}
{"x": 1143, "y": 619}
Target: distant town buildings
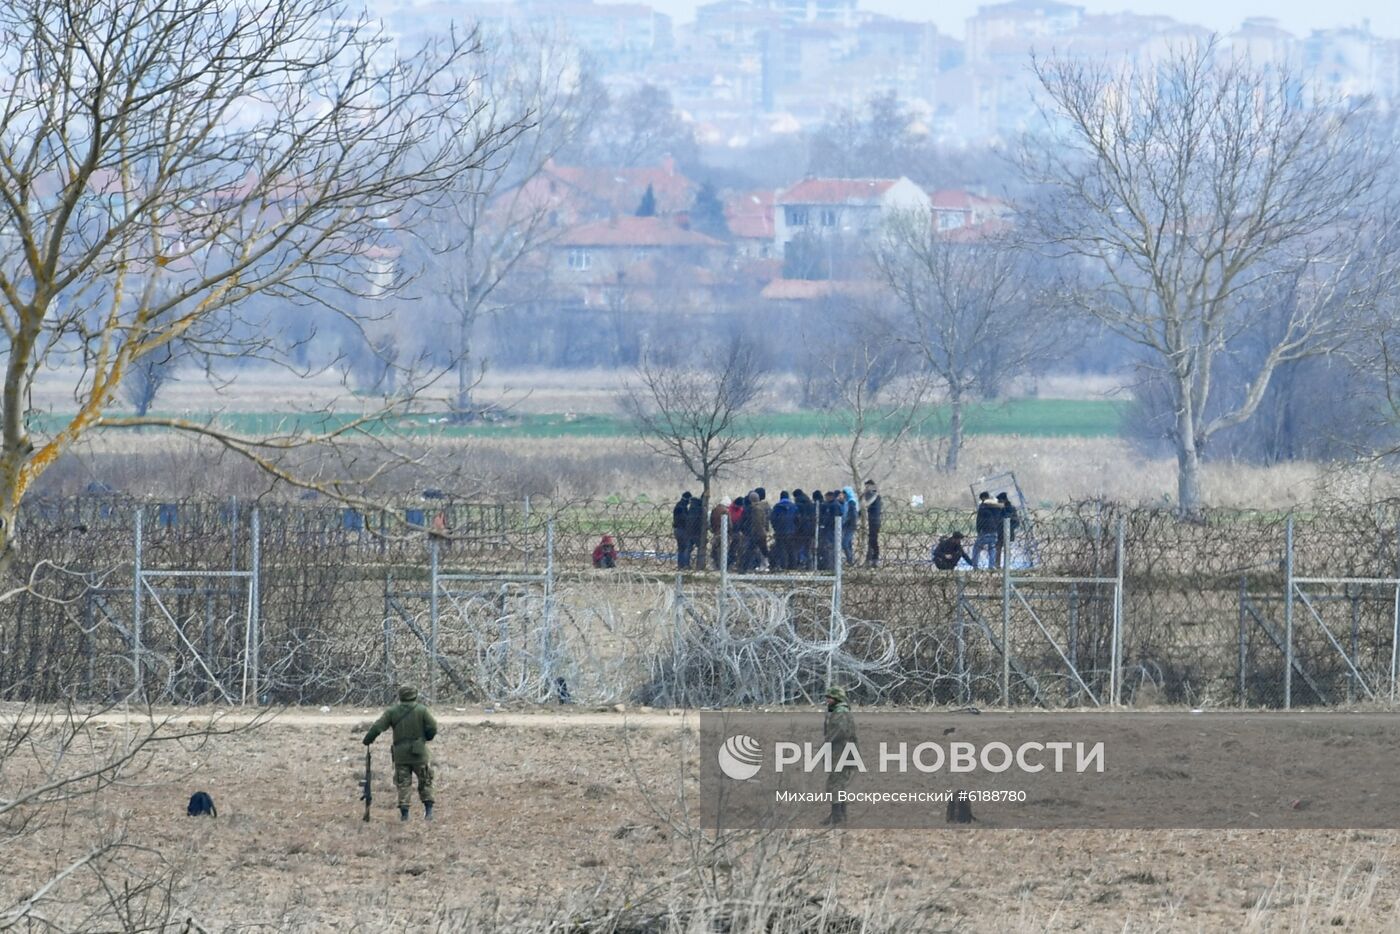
{"x": 745, "y": 69}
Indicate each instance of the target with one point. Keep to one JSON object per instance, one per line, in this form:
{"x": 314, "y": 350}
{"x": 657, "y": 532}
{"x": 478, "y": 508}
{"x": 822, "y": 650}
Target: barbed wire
{"x": 1202, "y": 607}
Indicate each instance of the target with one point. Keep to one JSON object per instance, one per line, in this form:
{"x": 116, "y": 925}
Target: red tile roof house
{"x": 954, "y": 208}
{"x": 575, "y": 195}
{"x": 595, "y": 260}
{"x": 841, "y": 207}
{"x": 749, "y": 216}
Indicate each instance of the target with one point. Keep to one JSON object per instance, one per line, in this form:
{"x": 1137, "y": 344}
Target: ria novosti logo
{"x": 740, "y": 757}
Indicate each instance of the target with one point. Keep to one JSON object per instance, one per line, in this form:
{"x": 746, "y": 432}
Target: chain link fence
{"x": 233, "y": 602}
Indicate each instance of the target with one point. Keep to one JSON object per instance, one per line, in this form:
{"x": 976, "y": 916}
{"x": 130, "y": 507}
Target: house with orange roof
{"x": 954, "y": 208}
{"x": 841, "y": 208}
{"x": 749, "y": 216}
{"x": 593, "y": 262}
{"x": 580, "y": 194}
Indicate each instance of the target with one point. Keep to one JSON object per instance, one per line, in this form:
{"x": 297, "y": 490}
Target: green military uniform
{"x": 413, "y": 727}
{"x": 839, "y": 729}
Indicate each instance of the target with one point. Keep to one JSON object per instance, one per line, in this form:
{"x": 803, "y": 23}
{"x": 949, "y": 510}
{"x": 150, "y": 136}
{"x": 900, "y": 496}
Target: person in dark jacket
{"x": 874, "y": 515}
{"x": 784, "y": 521}
{"x": 988, "y": 519}
{"x": 806, "y": 529}
{"x": 680, "y": 527}
{"x": 826, "y": 531}
{"x": 695, "y": 526}
{"x": 949, "y": 551}
{"x": 1008, "y": 511}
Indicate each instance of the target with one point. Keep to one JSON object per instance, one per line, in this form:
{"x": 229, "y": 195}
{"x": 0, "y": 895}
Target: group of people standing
{"x": 798, "y": 532}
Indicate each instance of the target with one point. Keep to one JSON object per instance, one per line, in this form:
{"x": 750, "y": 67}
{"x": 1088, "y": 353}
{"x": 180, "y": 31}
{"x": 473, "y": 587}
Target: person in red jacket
{"x": 605, "y": 554}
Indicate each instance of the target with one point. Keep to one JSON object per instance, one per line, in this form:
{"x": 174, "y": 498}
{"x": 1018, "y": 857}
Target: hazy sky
{"x": 1298, "y": 16}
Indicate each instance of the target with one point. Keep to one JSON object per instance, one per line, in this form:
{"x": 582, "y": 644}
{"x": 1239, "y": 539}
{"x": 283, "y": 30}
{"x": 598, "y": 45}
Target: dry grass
{"x": 1049, "y": 470}
{"x": 583, "y": 829}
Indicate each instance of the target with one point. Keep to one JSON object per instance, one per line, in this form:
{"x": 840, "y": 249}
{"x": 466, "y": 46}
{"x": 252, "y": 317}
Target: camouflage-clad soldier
{"x": 839, "y": 729}
{"x": 414, "y": 727}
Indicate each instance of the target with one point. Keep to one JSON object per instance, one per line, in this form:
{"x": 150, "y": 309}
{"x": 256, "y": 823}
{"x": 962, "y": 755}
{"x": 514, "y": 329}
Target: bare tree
{"x": 1188, "y": 196}
{"x": 162, "y": 162}
{"x": 876, "y": 405}
{"x": 963, "y": 299}
{"x": 694, "y": 414}
{"x": 146, "y": 377}
{"x": 637, "y": 129}
{"x": 489, "y": 230}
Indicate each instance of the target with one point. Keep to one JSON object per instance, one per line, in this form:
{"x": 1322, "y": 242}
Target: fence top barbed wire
{"x": 1347, "y": 541}
{"x": 1352, "y": 540}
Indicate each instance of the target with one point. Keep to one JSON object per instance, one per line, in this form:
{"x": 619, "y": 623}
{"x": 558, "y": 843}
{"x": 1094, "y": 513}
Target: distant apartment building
{"x": 1262, "y": 42}
{"x": 734, "y": 24}
{"x": 1351, "y": 63}
{"x": 617, "y": 36}
{"x": 745, "y": 70}
{"x": 838, "y": 13}
{"x": 1005, "y": 32}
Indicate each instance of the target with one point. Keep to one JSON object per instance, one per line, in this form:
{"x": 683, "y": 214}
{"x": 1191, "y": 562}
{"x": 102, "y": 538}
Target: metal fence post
{"x": 1288, "y": 615}
{"x": 1005, "y": 612}
{"x": 388, "y": 632}
{"x": 1242, "y": 687}
{"x": 1073, "y": 639}
{"x": 835, "y": 621}
{"x": 549, "y": 607}
{"x": 1395, "y": 616}
{"x": 255, "y": 599}
{"x": 723, "y": 567}
{"x": 1115, "y": 674}
{"x": 136, "y": 581}
{"x": 432, "y": 617}
{"x": 964, "y": 692}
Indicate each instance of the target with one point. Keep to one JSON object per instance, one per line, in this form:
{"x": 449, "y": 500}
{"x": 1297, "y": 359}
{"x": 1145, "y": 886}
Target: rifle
{"x": 366, "y": 789}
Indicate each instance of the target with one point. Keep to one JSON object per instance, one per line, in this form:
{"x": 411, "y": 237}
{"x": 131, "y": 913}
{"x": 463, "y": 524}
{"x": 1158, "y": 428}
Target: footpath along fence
{"x": 236, "y": 603}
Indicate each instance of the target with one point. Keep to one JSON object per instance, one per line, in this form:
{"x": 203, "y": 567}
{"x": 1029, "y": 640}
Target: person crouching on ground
{"x": 605, "y": 555}
{"x": 949, "y": 551}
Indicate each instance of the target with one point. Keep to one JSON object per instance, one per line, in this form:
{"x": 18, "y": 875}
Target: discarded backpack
{"x": 201, "y": 805}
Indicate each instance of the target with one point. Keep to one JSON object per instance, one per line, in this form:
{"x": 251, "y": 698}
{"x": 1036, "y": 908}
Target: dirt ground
{"x": 538, "y": 809}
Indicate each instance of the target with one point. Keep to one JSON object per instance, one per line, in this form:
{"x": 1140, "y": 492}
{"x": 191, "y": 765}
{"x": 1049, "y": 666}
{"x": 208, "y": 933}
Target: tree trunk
{"x": 955, "y": 429}
{"x": 462, "y": 409}
{"x": 463, "y": 406}
{"x": 12, "y": 485}
{"x": 1188, "y": 464}
{"x": 703, "y": 546}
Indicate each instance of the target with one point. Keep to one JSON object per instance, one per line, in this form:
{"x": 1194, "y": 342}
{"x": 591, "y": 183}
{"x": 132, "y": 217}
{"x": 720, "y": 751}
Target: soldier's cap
{"x": 408, "y": 693}
{"x": 837, "y": 694}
